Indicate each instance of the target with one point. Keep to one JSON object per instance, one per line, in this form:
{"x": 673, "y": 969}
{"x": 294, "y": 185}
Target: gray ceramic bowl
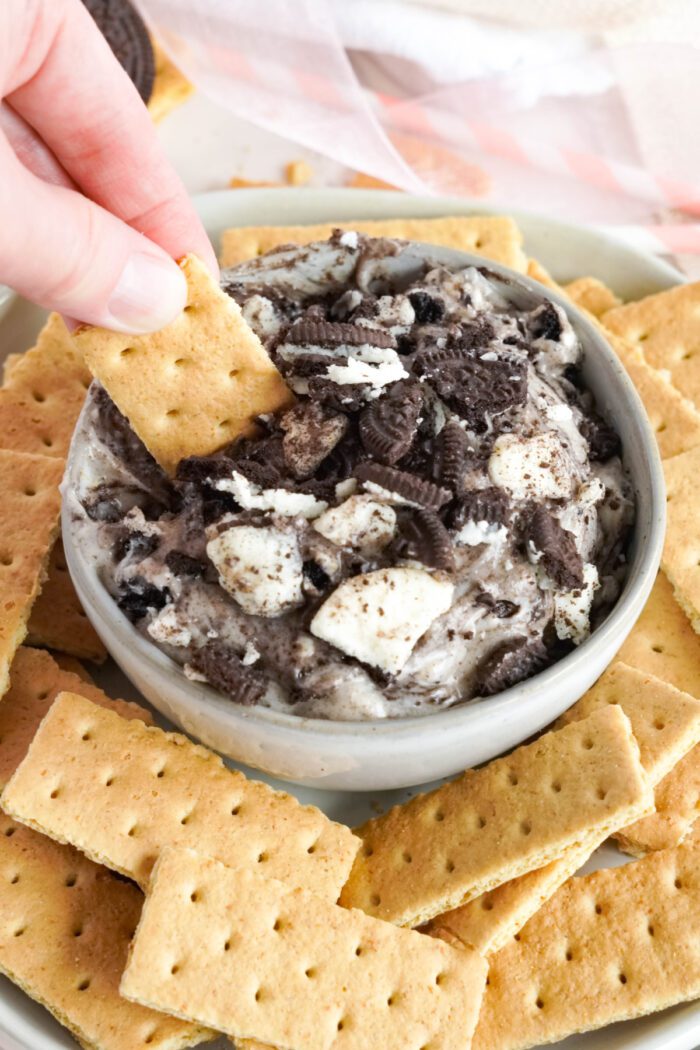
{"x": 376, "y": 755}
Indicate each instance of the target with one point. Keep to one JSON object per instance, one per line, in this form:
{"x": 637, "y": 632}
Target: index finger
{"x": 69, "y": 86}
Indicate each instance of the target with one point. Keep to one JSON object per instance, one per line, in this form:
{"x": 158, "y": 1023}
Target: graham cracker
{"x": 592, "y": 295}
{"x": 69, "y": 663}
{"x": 256, "y": 959}
{"x": 35, "y": 682}
{"x": 66, "y": 927}
{"x": 666, "y": 725}
{"x": 665, "y": 721}
{"x": 8, "y": 366}
{"x": 440, "y": 850}
{"x": 488, "y": 922}
{"x": 666, "y": 327}
{"x": 495, "y": 237}
{"x": 681, "y": 555}
{"x": 677, "y": 801}
{"x": 195, "y": 385}
{"x": 663, "y": 643}
{"x": 120, "y": 791}
{"x": 620, "y": 943}
{"x": 170, "y": 87}
{"x": 43, "y": 394}
{"x": 58, "y": 620}
{"x": 29, "y": 507}
{"x": 538, "y": 272}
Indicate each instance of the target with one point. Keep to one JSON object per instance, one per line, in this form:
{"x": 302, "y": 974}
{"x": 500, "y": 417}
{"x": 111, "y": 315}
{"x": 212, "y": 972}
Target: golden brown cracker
{"x": 518, "y": 813}
{"x": 592, "y": 295}
{"x": 663, "y": 643}
{"x": 58, "y": 620}
{"x": 35, "y": 682}
{"x": 170, "y": 88}
{"x": 69, "y": 663}
{"x": 677, "y": 801}
{"x": 681, "y": 555}
{"x": 617, "y": 944}
{"x": 252, "y": 957}
{"x": 29, "y": 509}
{"x": 66, "y": 927}
{"x": 121, "y": 791}
{"x": 538, "y": 272}
{"x": 195, "y": 385}
{"x": 665, "y": 721}
{"x": 666, "y": 327}
{"x": 43, "y": 394}
{"x": 494, "y": 236}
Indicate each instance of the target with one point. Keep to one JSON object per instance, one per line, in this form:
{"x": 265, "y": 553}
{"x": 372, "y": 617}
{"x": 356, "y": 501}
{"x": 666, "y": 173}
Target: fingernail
{"x": 150, "y": 293}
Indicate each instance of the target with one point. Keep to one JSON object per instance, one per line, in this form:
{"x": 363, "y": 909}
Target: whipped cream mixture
{"x": 442, "y": 514}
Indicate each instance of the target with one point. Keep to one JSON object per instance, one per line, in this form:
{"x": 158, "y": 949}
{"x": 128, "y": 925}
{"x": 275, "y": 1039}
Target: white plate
{"x": 567, "y": 251}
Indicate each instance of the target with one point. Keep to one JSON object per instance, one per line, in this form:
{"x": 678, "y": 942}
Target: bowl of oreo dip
{"x": 426, "y": 559}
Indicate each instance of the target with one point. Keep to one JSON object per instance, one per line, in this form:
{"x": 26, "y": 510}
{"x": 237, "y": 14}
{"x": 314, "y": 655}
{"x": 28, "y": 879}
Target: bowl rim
{"x": 637, "y": 585}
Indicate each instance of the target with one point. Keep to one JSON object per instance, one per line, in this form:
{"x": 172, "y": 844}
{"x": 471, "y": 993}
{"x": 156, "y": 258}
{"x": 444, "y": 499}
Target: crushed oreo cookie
{"x": 554, "y": 548}
{"x": 423, "y": 537}
{"x": 338, "y": 333}
{"x": 223, "y": 669}
{"x": 311, "y": 432}
{"x": 407, "y": 487}
{"x": 603, "y": 441}
{"x": 125, "y": 32}
{"x": 454, "y": 454}
{"x": 428, "y": 309}
{"x": 139, "y": 597}
{"x": 510, "y": 663}
{"x": 490, "y": 505}
{"x": 182, "y": 564}
{"x": 388, "y": 426}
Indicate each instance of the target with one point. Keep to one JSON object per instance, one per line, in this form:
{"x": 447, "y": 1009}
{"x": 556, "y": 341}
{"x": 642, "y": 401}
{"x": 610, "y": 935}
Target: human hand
{"x": 92, "y": 214}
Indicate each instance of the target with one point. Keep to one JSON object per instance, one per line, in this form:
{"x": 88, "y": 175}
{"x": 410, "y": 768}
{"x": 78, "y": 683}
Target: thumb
{"x": 66, "y": 253}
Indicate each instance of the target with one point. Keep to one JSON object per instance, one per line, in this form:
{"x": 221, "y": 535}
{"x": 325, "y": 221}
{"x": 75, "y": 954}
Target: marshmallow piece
{"x": 359, "y": 522}
{"x": 280, "y": 501}
{"x": 572, "y": 609}
{"x": 167, "y": 628}
{"x": 260, "y": 568}
{"x": 531, "y": 468}
{"x": 474, "y": 533}
{"x": 379, "y": 616}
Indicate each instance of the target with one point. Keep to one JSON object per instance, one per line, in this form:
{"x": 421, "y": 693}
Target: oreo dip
{"x": 441, "y": 514}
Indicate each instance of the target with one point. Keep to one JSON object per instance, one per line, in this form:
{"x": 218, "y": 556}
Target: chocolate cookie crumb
{"x": 423, "y": 537}
{"x": 223, "y": 669}
{"x": 184, "y": 565}
{"x": 388, "y": 426}
{"x": 407, "y": 486}
{"x": 509, "y": 663}
{"x": 556, "y": 547}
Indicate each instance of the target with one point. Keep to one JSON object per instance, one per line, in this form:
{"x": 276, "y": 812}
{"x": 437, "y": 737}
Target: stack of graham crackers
{"x": 270, "y": 923}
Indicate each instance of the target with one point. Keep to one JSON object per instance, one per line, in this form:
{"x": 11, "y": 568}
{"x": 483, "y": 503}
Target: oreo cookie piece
{"x": 498, "y": 607}
{"x": 134, "y": 545}
{"x": 509, "y": 663}
{"x": 311, "y": 432}
{"x": 203, "y": 469}
{"x": 422, "y": 537}
{"x": 140, "y": 597}
{"x": 554, "y": 548}
{"x": 490, "y": 505}
{"x": 338, "y": 333}
{"x": 545, "y": 322}
{"x": 603, "y": 441}
{"x": 477, "y": 389}
{"x": 125, "y": 32}
{"x": 408, "y": 487}
{"x": 184, "y": 564}
{"x": 454, "y": 455}
{"x": 388, "y": 426}
{"x": 427, "y": 308}
{"x": 223, "y": 669}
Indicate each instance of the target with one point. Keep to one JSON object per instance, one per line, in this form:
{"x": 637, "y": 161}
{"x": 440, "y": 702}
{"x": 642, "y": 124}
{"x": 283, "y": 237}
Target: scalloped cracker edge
{"x": 195, "y": 385}
{"x": 58, "y": 620}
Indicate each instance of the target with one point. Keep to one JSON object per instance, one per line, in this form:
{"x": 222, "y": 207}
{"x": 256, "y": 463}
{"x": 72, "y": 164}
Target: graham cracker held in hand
{"x": 170, "y": 88}
{"x": 666, "y": 725}
{"x": 617, "y": 944}
{"x": 493, "y": 824}
{"x": 681, "y": 555}
{"x": 663, "y": 643}
{"x": 261, "y": 960}
{"x": 194, "y": 386}
{"x": 29, "y": 507}
{"x": 43, "y": 393}
{"x": 592, "y": 295}
{"x": 66, "y": 927}
{"x": 121, "y": 791}
{"x": 666, "y": 327}
{"x": 493, "y": 236}
{"x": 35, "y": 682}
{"x": 58, "y": 620}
